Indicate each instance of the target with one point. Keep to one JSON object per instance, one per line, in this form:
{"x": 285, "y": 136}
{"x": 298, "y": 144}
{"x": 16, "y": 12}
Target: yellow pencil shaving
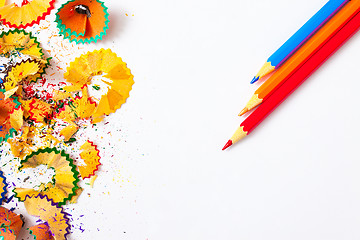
{"x": 69, "y": 131}
{"x": 19, "y": 72}
{"x": 16, "y": 119}
{"x": 10, "y": 92}
{"x": 92, "y": 180}
{"x": 76, "y": 196}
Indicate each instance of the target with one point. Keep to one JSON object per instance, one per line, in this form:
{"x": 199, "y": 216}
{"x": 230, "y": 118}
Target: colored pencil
{"x": 254, "y": 119}
{"x": 300, "y": 37}
{"x": 303, "y": 54}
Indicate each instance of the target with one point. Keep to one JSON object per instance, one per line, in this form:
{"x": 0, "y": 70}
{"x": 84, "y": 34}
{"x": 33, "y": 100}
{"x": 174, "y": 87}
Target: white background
{"x": 296, "y": 176}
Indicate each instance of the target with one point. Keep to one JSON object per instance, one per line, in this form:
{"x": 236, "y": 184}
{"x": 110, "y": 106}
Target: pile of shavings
{"x": 39, "y": 120}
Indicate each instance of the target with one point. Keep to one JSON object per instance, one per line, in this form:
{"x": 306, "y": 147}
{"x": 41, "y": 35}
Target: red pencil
{"x": 250, "y": 123}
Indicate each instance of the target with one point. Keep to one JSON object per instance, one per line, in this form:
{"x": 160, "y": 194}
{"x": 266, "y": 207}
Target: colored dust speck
{"x": 96, "y": 87}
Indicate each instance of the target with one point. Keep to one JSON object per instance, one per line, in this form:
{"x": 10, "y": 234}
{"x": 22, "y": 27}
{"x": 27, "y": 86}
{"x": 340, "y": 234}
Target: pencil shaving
{"x": 51, "y": 213}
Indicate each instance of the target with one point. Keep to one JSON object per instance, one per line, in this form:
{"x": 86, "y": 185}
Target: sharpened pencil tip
{"x": 228, "y": 144}
{"x": 255, "y": 79}
{"x": 245, "y": 110}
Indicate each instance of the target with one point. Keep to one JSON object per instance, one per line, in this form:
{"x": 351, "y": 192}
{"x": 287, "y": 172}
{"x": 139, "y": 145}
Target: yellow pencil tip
{"x": 245, "y": 110}
{"x": 266, "y": 69}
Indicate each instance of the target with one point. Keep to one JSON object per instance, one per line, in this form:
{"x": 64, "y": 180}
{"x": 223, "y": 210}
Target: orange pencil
{"x": 303, "y": 54}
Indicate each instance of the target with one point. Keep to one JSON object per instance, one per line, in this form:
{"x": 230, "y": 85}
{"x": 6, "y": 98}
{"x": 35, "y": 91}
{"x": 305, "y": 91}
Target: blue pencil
{"x": 300, "y": 37}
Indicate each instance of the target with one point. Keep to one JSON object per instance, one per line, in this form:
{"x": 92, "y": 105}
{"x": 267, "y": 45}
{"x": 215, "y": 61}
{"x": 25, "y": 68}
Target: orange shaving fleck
{"x": 10, "y": 224}
{"x": 7, "y": 106}
{"x": 41, "y": 232}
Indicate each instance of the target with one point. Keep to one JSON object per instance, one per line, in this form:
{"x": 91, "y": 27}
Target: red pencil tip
{"x": 228, "y": 144}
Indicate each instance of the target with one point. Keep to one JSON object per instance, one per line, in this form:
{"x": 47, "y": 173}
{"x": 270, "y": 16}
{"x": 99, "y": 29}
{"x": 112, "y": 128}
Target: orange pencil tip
{"x": 228, "y": 144}
{"x": 245, "y": 110}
